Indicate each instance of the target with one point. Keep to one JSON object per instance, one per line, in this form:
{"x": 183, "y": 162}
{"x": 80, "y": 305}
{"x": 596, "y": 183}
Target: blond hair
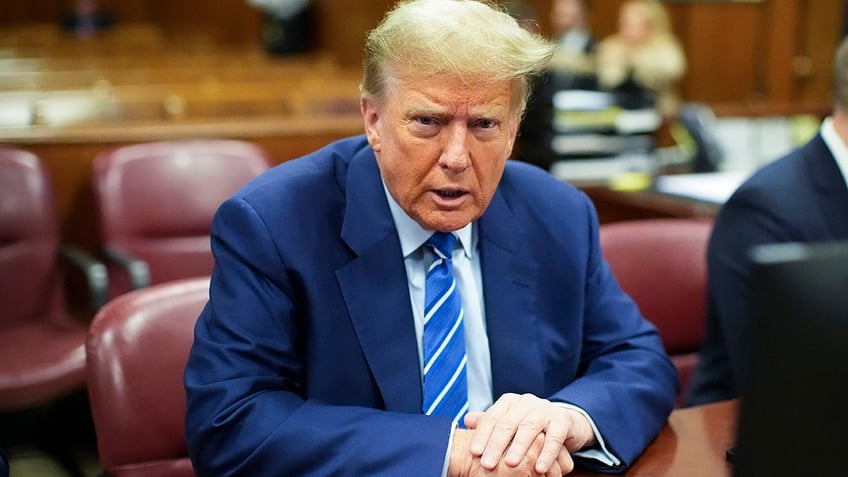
{"x": 656, "y": 15}
{"x": 467, "y": 38}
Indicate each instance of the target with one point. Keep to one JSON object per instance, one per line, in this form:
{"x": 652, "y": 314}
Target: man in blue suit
{"x": 308, "y": 358}
{"x": 801, "y": 197}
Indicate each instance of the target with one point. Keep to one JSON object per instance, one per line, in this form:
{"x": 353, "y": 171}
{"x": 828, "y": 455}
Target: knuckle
{"x": 529, "y": 425}
{"x": 503, "y": 425}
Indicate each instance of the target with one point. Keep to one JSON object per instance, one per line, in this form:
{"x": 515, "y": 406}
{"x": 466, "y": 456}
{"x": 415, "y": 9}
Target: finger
{"x": 517, "y": 429}
{"x": 529, "y": 427}
{"x": 471, "y": 419}
{"x": 533, "y": 455}
{"x": 556, "y": 471}
{"x": 485, "y": 425}
{"x": 565, "y": 461}
{"x": 555, "y": 436}
{"x": 498, "y": 425}
{"x": 500, "y": 437}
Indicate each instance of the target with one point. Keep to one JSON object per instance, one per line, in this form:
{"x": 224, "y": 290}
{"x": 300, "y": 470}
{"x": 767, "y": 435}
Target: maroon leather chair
{"x": 155, "y": 202}
{"x": 137, "y": 349}
{"x": 661, "y": 264}
{"x": 42, "y": 354}
{"x": 41, "y": 344}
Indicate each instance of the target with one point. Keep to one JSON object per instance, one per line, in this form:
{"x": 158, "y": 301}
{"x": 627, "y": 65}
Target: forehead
{"x": 448, "y": 91}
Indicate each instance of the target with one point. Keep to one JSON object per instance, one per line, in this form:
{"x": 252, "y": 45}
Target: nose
{"x": 455, "y": 156}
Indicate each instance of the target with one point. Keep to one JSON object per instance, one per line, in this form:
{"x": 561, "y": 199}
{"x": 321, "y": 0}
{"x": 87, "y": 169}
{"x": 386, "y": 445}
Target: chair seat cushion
{"x": 178, "y": 467}
{"x": 40, "y": 359}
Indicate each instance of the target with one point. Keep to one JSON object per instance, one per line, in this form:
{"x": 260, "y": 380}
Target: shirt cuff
{"x": 447, "y": 453}
{"x": 597, "y": 452}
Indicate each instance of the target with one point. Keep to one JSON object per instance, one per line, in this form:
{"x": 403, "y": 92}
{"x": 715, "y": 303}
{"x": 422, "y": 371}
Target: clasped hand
{"x": 519, "y": 435}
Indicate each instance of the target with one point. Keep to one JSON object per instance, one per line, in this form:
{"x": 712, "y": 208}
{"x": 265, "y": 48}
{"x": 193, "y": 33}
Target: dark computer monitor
{"x": 794, "y": 411}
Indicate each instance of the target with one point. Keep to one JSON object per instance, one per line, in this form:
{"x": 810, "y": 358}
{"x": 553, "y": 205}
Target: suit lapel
{"x": 829, "y": 183}
{"x": 375, "y": 290}
{"x": 509, "y": 282}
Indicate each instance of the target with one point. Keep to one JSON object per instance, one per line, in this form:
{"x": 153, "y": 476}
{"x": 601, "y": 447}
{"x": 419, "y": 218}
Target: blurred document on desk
{"x": 602, "y": 168}
{"x": 713, "y": 187}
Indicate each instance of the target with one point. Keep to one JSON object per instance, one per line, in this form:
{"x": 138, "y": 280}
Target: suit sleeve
{"x": 247, "y": 411}
{"x": 4, "y": 464}
{"x": 745, "y": 221}
{"x": 626, "y": 382}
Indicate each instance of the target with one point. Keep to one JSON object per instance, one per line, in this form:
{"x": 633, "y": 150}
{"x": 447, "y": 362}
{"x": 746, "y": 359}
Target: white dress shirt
{"x": 836, "y": 145}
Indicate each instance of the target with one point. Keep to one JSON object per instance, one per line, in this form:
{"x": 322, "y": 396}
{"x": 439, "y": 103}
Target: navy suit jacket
{"x": 305, "y": 359}
{"x": 4, "y": 464}
{"x": 801, "y": 197}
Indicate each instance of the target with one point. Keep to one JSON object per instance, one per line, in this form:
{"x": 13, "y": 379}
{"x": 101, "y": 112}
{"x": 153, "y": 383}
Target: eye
{"x": 424, "y": 126}
{"x": 426, "y": 121}
{"x": 486, "y": 124}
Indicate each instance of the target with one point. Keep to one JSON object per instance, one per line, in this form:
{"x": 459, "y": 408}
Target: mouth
{"x": 449, "y": 193}
{"x": 449, "y": 198}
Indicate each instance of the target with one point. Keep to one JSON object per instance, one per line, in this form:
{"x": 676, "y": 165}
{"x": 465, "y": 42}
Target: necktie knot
{"x": 442, "y": 243}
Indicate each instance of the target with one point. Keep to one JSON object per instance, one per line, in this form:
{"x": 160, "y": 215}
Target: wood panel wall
{"x": 748, "y": 53}
{"x": 745, "y": 57}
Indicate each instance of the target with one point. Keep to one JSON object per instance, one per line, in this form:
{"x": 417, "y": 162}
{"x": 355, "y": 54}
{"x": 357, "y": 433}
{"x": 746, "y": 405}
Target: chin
{"x": 445, "y": 220}
{"x": 451, "y": 224}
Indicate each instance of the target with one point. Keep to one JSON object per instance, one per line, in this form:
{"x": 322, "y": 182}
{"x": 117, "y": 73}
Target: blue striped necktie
{"x": 445, "y": 386}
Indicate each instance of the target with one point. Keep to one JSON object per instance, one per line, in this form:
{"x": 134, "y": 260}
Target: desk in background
{"x": 614, "y": 205}
{"x": 692, "y": 444}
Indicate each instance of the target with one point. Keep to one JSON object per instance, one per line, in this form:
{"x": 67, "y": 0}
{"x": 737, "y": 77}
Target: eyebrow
{"x": 441, "y": 113}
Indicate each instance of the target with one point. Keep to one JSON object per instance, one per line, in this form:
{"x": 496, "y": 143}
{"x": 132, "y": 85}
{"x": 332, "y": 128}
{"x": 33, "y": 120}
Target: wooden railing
{"x": 66, "y": 99}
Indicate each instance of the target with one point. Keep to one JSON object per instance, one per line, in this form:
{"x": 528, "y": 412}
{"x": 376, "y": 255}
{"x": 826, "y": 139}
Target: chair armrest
{"x": 97, "y": 278}
{"x": 136, "y": 268}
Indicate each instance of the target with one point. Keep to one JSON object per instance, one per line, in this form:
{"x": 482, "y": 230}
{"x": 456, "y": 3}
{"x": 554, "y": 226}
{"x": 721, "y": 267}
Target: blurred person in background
{"x": 643, "y": 62}
{"x": 571, "y": 68}
{"x": 576, "y": 45}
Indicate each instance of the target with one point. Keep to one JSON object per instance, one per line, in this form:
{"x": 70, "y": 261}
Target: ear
{"x": 371, "y": 115}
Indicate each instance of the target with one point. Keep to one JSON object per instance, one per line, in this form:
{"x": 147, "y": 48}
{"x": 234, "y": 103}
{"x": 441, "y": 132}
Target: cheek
{"x": 489, "y": 174}
{"x": 403, "y": 174}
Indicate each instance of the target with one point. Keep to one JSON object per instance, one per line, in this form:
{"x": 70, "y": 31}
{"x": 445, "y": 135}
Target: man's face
{"x": 441, "y": 144}
{"x": 566, "y": 14}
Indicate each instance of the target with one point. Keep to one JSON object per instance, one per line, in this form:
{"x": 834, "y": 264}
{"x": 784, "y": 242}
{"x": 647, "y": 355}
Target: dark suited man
{"x": 798, "y": 198}
{"x": 312, "y": 356}
{"x": 572, "y": 67}
{"x": 576, "y": 45}
{"x": 4, "y": 464}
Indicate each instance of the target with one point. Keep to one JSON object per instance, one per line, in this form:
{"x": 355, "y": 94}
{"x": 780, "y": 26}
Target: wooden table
{"x": 613, "y": 205}
{"x": 692, "y": 444}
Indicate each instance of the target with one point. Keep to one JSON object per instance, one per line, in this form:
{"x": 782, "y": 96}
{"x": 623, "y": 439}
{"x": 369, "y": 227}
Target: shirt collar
{"x": 836, "y": 145}
{"x": 412, "y": 235}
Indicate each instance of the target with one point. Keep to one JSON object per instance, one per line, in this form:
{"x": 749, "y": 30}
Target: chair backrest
{"x": 661, "y": 264}
{"x": 136, "y": 351}
{"x": 155, "y": 201}
{"x": 29, "y": 239}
